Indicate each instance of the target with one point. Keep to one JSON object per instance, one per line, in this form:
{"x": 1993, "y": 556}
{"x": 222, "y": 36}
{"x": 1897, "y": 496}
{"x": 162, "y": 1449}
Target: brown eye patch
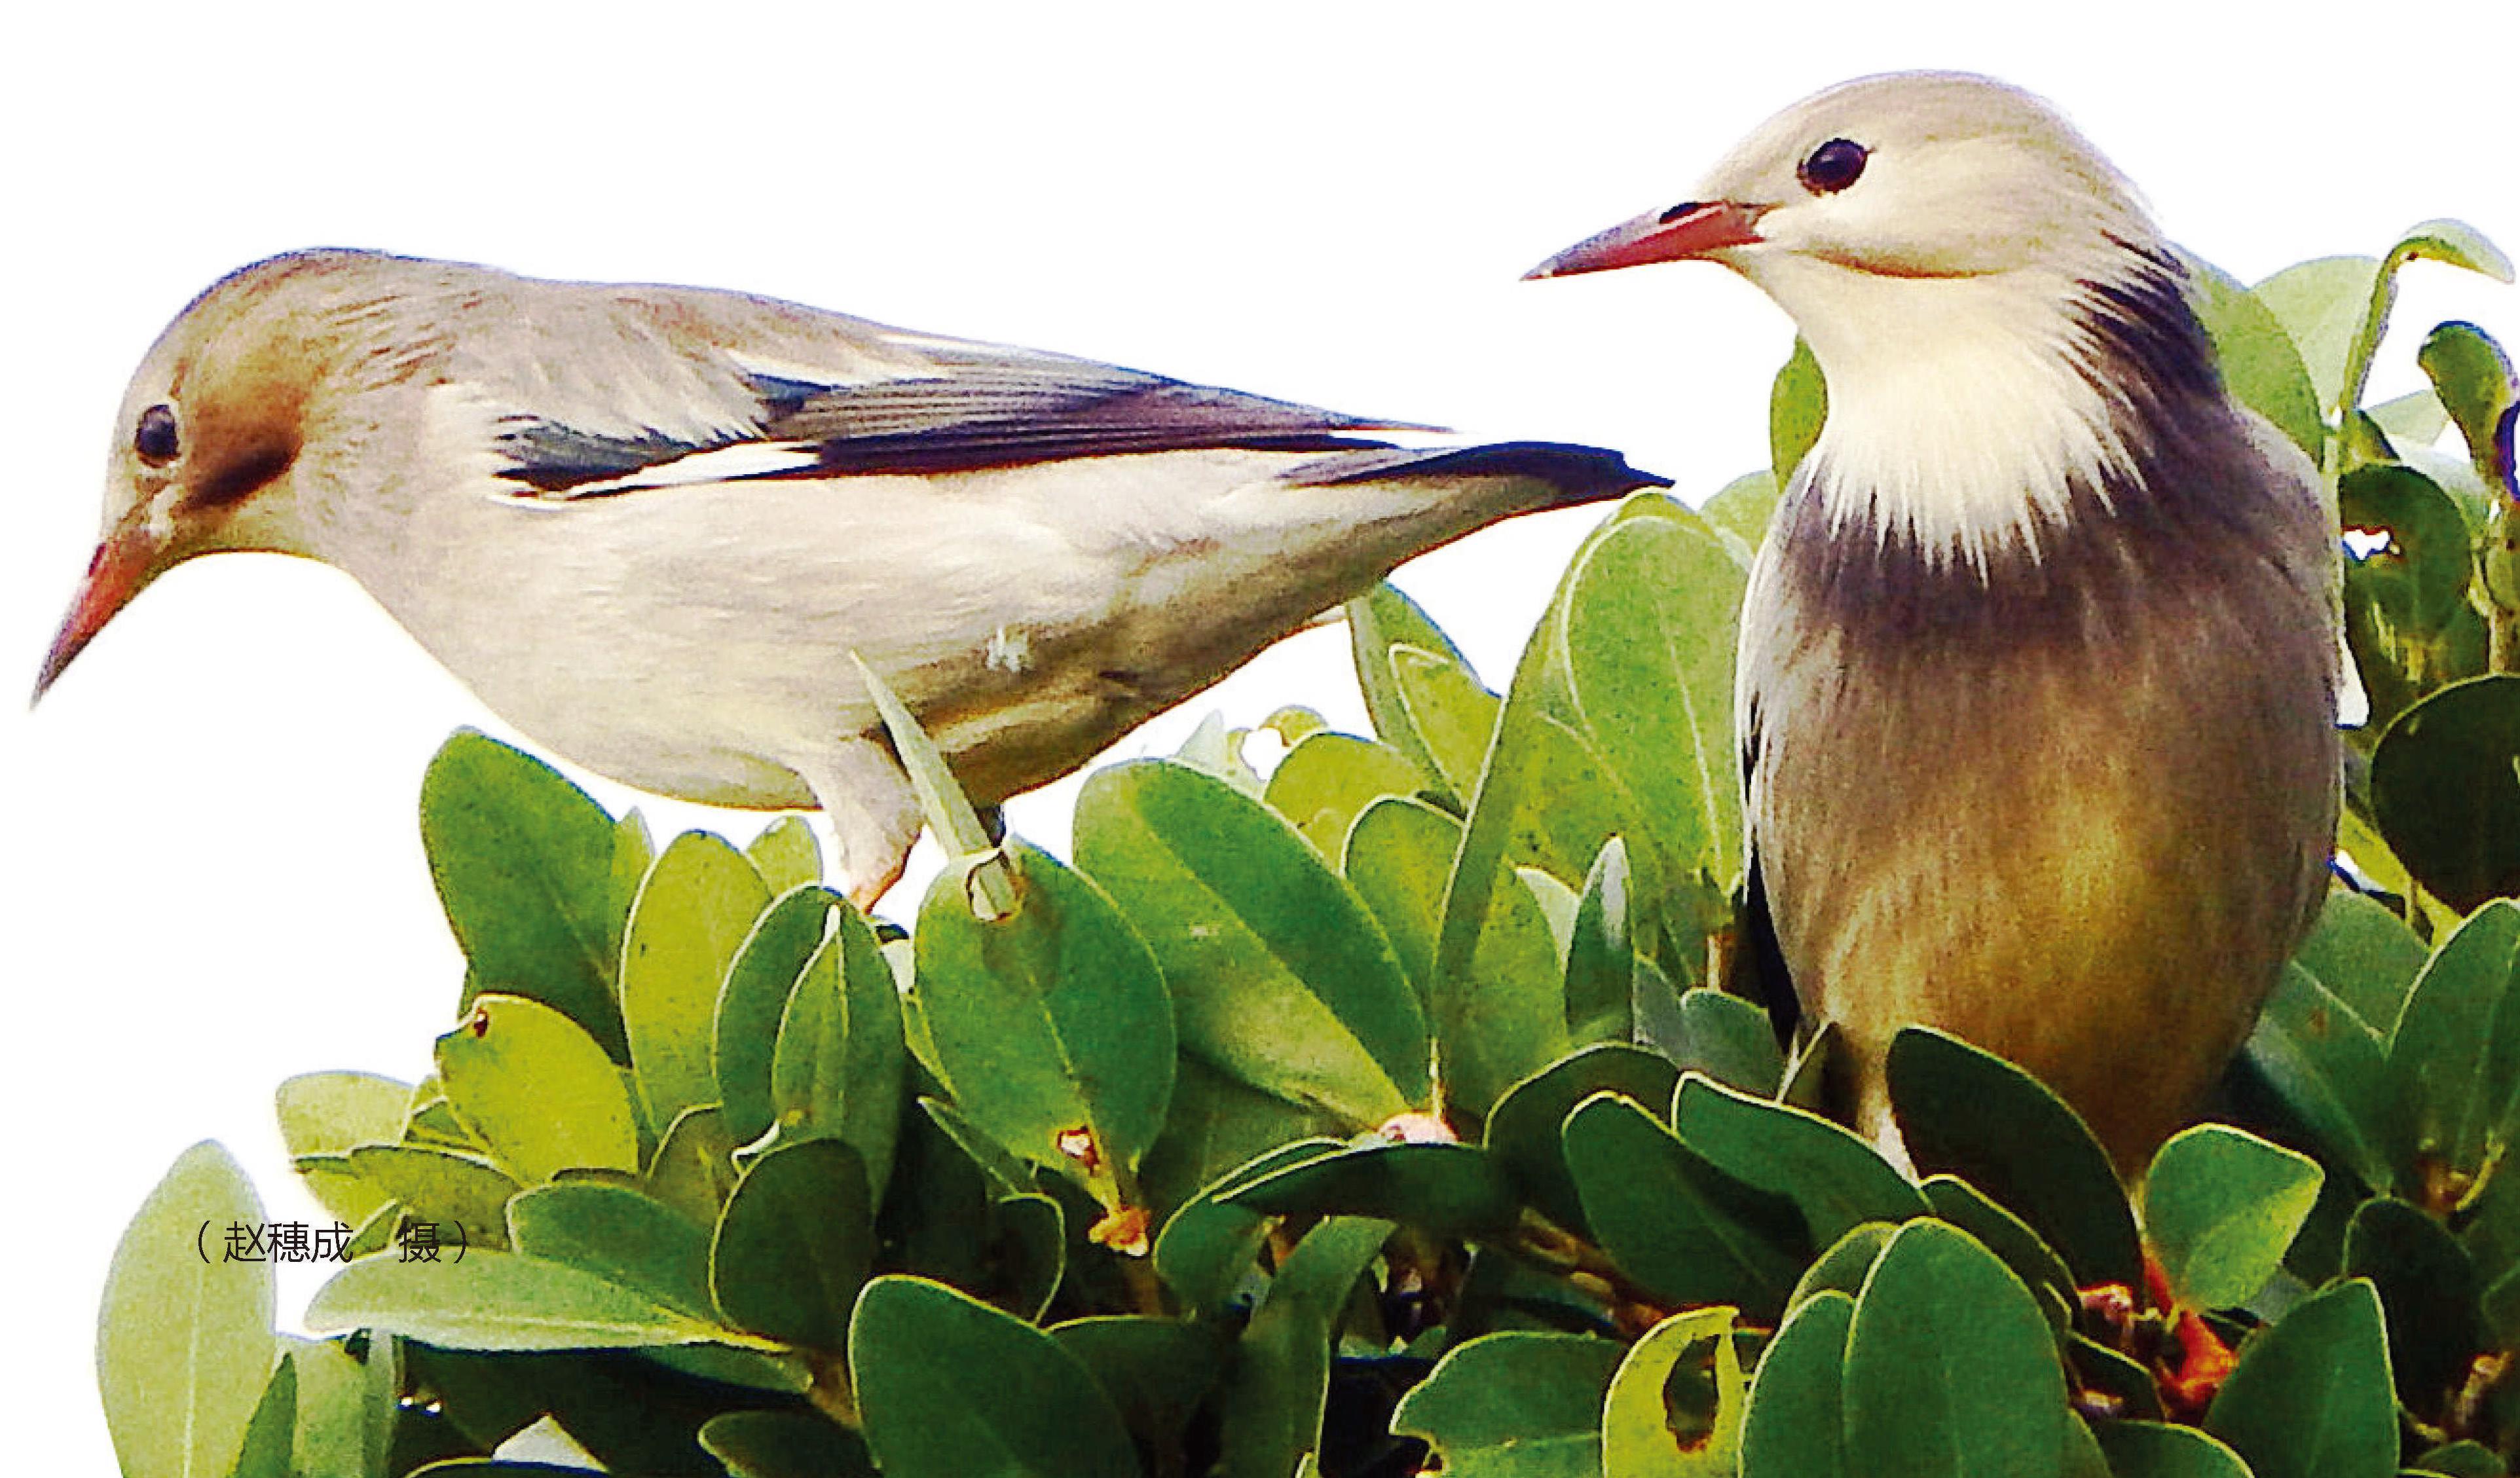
{"x": 156, "y": 439}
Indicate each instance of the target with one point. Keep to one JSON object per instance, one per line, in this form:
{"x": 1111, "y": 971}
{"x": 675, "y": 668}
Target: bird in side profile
{"x": 650, "y": 525}
{"x": 2036, "y": 683}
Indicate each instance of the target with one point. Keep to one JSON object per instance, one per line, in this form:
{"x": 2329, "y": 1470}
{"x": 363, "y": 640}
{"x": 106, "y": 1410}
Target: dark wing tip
{"x": 1579, "y": 474}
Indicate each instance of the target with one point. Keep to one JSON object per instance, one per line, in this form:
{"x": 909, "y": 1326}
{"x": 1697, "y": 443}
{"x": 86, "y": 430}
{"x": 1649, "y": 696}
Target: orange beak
{"x": 124, "y": 563}
{"x": 1694, "y": 229}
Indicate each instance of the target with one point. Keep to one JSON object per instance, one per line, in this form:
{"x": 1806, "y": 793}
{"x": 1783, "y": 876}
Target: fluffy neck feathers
{"x": 1971, "y": 418}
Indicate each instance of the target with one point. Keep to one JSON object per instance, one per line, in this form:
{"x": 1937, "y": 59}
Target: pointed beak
{"x": 1692, "y": 229}
{"x": 123, "y": 563}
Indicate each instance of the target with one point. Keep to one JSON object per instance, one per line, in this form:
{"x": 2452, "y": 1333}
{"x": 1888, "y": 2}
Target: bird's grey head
{"x": 1962, "y": 262}
{"x": 219, "y": 425}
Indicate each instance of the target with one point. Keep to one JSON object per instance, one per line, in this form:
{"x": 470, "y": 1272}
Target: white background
{"x": 208, "y": 856}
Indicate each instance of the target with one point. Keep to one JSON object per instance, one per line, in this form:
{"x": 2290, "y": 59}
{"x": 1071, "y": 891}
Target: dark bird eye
{"x": 155, "y": 438}
{"x": 1833, "y": 166}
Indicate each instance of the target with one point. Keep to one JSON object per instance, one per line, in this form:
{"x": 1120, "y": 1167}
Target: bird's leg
{"x": 874, "y": 813}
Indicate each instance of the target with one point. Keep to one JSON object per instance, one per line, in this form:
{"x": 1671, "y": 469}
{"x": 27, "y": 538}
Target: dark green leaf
{"x": 1155, "y": 1370}
{"x": 785, "y": 1444}
{"x": 1844, "y": 1264}
{"x": 839, "y": 1064}
{"x": 2428, "y": 1291}
{"x": 2221, "y": 1206}
{"x": 2472, "y": 376}
{"x": 952, "y": 1388}
{"x": 2461, "y": 1459}
{"x": 1600, "y": 954}
{"x": 270, "y": 1444}
{"x": 1505, "y": 1017}
{"x": 1950, "y": 1364}
{"x": 2326, "y": 1066}
{"x": 1052, "y": 1024}
{"x": 1730, "y": 1040}
{"x": 1398, "y": 854}
{"x": 1272, "y": 1405}
{"x": 2004, "y": 1234}
{"x": 1208, "y": 1247}
{"x": 500, "y": 1301}
{"x": 2446, "y": 791}
{"x": 1523, "y": 1133}
{"x": 1683, "y": 1230}
{"x": 2311, "y": 1397}
{"x": 523, "y": 864}
{"x": 1278, "y": 974}
{"x": 618, "y": 1235}
{"x": 2455, "y": 1054}
{"x": 2419, "y": 582}
{"x": 757, "y": 986}
{"x": 2156, "y": 1450}
{"x": 1215, "y": 1124}
{"x": 1836, "y": 1180}
{"x": 1970, "y": 1113}
{"x": 1795, "y": 1426}
{"x": 1450, "y": 1190}
{"x": 2365, "y": 955}
{"x": 1515, "y": 1405}
{"x": 795, "y": 1244}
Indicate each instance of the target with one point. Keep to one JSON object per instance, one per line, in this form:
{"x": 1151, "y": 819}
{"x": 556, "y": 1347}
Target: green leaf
{"x": 2311, "y": 1396}
{"x": 2261, "y": 367}
{"x": 1450, "y": 1190}
{"x": 1451, "y": 711}
{"x": 1648, "y": 627}
{"x": 1730, "y": 1040}
{"x": 184, "y": 1344}
{"x": 1675, "y": 1406}
{"x": 948, "y": 811}
{"x": 839, "y": 1064}
{"x": 2221, "y": 1206}
{"x": 2416, "y": 586}
{"x": 796, "y": 1243}
{"x": 1329, "y": 780}
{"x": 2157, "y": 1449}
{"x": 2326, "y": 1066}
{"x": 2365, "y": 955}
{"x": 1505, "y": 1017}
{"x": 2417, "y": 417}
{"x": 330, "y": 1114}
{"x": 1215, "y": 1124}
{"x": 2320, "y": 304}
{"x": 1516, "y": 1404}
{"x": 2461, "y": 1459}
{"x": 442, "y": 1187}
{"x": 784, "y": 1445}
{"x": 1398, "y": 854}
{"x": 1950, "y": 1364}
{"x": 617, "y": 1234}
{"x": 524, "y": 863}
{"x": 1797, "y": 407}
{"x": 1795, "y": 1427}
{"x": 1682, "y": 1229}
{"x": 2472, "y": 377}
{"x": 1843, "y": 1265}
{"x": 2456, "y": 243}
{"x": 1377, "y": 622}
{"x": 2446, "y": 791}
{"x": 1740, "y": 510}
{"x": 1523, "y": 1133}
{"x": 952, "y": 1388}
{"x": 538, "y": 1090}
{"x": 786, "y": 854}
{"x": 1967, "y": 1112}
{"x": 269, "y": 1449}
{"x": 1208, "y": 1247}
{"x": 1052, "y": 1024}
{"x": 758, "y": 983}
{"x": 694, "y": 913}
{"x": 1272, "y": 1407}
{"x": 2428, "y": 1291}
{"x": 1836, "y": 1180}
{"x": 1155, "y": 1370}
{"x": 1213, "y": 748}
{"x": 1278, "y": 976}
{"x": 2003, "y": 1234}
{"x": 500, "y": 1301}
{"x": 1600, "y": 954}
{"x": 2455, "y": 1055}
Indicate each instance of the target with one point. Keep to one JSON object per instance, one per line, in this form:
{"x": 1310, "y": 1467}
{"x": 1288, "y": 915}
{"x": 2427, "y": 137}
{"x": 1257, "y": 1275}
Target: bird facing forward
{"x": 2037, "y": 682}
{"x": 649, "y": 526}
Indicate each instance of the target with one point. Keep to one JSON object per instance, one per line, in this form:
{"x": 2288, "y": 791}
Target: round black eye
{"x": 1833, "y": 166}
{"x": 155, "y": 438}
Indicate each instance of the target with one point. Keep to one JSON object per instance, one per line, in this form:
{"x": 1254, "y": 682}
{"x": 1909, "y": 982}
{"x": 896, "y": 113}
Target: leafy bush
{"x": 1392, "y": 1102}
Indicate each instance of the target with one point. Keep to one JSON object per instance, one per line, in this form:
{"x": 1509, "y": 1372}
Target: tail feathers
{"x": 1577, "y": 473}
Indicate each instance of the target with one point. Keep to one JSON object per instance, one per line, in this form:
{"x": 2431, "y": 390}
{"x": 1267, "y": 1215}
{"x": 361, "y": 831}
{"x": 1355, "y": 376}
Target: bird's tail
{"x": 1578, "y": 474}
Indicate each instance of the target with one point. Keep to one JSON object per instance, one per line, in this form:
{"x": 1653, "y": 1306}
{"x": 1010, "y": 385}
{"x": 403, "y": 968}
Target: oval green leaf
{"x": 1682, "y": 1229}
{"x": 694, "y": 913}
{"x": 1516, "y": 1405}
{"x": 2221, "y": 1207}
{"x": 1950, "y": 1366}
{"x": 2311, "y": 1397}
{"x": 796, "y": 1243}
{"x": 539, "y": 1091}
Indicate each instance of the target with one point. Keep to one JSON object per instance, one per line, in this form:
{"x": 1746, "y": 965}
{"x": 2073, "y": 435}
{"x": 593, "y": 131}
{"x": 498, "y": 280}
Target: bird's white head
{"x": 220, "y": 424}
{"x": 1963, "y": 265}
